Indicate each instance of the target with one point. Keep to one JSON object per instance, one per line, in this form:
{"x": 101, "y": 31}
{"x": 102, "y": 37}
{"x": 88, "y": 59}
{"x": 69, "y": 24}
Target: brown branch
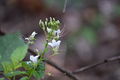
{"x": 66, "y": 72}
{"x": 96, "y": 64}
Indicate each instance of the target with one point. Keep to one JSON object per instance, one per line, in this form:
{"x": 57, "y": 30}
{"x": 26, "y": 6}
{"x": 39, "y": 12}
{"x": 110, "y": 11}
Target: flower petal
{"x": 58, "y": 31}
{"x": 58, "y": 43}
{"x": 50, "y": 44}
{"x": 34, "y": 58}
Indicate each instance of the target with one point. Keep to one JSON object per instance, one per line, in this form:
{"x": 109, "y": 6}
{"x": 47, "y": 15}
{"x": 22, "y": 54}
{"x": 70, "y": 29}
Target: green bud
{"x": 58, "y": 22}
{"x": 46, "y": 19}
{"x": 53, "y": 19}
{"x": 46, "y": 23}
{"x": 40, "y": 22}
{"x": 43, "y": 25}
{"x": 50, "y": 19}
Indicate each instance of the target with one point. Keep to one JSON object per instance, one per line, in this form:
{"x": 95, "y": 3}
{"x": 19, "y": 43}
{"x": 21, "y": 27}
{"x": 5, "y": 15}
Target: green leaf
{"x": 13, "y": 50}
{"x": 40, "y": 71}
{"x": 15, "y": 73}
{"x": 7, "y": 66}
{"x": 18, "y": 54}
{"x": 27, "y": 66}
{"x": 24, "y": 78}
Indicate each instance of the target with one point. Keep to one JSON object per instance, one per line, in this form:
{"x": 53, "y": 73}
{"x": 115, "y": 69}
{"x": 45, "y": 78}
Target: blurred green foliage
{"x": 117, "y": 10}
{"x": 12, "y": 51}
{"x": 89, "y": 34}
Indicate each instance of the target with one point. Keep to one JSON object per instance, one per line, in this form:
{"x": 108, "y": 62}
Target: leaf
{"x": 15, "y": 73}
{"x": 24, "y": 78}
{"x": 40, "y": 71}
{"x": 12, "y": 49}
{"x": 19, "y": 54}
{"x": 7, "y": 66}
{"x": 27, "y": 66}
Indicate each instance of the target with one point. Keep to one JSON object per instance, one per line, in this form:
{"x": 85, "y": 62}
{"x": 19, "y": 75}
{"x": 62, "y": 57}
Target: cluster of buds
{"x": 52, "y": 31}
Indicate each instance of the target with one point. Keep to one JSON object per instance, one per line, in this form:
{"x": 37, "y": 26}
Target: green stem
{"x": 31, "y": 74}
{"x": 44, "y": 51}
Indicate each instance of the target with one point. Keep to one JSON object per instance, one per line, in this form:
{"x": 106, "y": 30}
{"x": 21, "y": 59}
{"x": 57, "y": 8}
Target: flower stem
{"x": 31, "y": 73}
{"x": 45, "y": 49}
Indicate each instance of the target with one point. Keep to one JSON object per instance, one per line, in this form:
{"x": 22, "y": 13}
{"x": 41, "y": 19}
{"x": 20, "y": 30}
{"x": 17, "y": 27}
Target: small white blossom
{"x": 57, "y": 33}
{"x": 27, "y": 39}
{"x": 54, "y": 43}
{"x": 49, "y": 30}
{"x": 31, "y": 38}
{"x": 33, "y": 34}
{"x": 34, "y": 59}
{"x": 28, "y": 62}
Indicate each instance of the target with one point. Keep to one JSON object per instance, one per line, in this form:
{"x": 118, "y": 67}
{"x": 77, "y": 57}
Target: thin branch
{"x": 116, "y": 58}
{"x": 66, "y": 72}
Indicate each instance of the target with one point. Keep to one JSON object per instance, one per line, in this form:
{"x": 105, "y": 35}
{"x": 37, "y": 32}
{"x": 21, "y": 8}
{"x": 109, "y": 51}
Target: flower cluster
{"x": 52, "y": 31}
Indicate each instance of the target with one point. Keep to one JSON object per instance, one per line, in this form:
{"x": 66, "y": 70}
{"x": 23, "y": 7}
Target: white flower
{"x": 49, "y": 30}
{"x": 34, "y": 59}
{"x": 57, "y": 33}
{"x": 27, "y": 39}
{"x": 28, "y": 62}
{"x": 54, "y": 43}
{"x": 33, "y": 34}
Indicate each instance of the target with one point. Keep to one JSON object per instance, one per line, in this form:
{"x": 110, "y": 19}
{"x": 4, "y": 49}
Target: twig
{"x": 96, "y": 64}
{"x": 68, "y": 73}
